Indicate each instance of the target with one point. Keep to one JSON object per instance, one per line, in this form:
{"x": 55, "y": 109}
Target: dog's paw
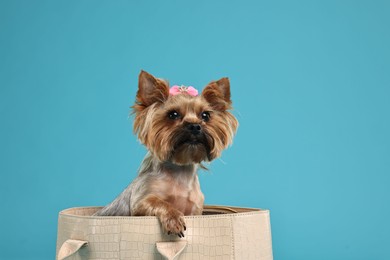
{"x": 173, "y": 222}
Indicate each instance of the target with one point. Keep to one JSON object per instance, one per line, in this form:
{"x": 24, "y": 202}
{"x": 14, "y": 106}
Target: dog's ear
{"x": 217, "y": 94}
{"x": 151, "y": 90}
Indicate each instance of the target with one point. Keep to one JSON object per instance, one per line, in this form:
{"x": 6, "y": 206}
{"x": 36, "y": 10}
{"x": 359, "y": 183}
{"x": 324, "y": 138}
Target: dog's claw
{"x": 173, "y": 223}
{"x": 185, "y": 228}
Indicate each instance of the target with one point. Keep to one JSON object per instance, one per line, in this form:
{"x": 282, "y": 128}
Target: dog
{"x": 181, "y": 130}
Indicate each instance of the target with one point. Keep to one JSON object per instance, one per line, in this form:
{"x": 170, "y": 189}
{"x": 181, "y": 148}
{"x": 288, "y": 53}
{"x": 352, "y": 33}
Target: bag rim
{"x": 219, "y": 210}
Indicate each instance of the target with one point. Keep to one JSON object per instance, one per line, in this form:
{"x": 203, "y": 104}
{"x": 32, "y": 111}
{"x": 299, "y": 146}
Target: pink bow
{"x": 175, "y": 90}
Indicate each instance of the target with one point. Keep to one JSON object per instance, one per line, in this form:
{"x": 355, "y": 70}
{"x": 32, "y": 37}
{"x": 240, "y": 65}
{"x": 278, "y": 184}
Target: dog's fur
{"x": 180, "y": 131}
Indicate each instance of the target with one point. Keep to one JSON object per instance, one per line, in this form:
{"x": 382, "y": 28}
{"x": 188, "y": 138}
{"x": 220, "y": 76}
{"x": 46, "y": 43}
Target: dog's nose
{"x": 194, "y": 128}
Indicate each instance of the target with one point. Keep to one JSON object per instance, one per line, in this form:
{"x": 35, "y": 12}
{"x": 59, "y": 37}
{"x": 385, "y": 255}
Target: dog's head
{"x": 179, "y": 126}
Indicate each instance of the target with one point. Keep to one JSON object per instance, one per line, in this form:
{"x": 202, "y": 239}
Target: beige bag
{"x": 221, "y": 233}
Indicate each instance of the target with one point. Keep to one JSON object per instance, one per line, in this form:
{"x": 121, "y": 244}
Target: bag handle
{"x": 219, "y": 209}
{"x": 170, "y": 250}
{"x": 69, "y": 247}
{"x": 227, "y": 209}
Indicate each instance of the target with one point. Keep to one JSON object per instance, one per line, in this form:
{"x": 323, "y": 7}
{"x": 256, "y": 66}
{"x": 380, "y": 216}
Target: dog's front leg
{"x": 171, "y": 219}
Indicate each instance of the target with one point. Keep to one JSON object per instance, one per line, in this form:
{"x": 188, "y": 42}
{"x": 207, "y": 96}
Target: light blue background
{"x": 310, "y": 84}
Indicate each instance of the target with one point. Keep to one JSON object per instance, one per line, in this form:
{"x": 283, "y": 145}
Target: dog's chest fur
{"x": 179, "y": 187}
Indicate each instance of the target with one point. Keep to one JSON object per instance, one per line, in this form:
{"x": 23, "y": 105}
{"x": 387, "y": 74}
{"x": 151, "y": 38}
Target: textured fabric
{"x": 219, "y": 234}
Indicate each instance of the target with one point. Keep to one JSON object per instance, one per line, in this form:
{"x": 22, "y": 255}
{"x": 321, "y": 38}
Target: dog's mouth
{"x": 191, "y": 148}
{"x": 192, "y": 141}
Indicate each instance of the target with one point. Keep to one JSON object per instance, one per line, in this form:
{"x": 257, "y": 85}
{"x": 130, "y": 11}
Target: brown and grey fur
{"x": 167, "y": 184}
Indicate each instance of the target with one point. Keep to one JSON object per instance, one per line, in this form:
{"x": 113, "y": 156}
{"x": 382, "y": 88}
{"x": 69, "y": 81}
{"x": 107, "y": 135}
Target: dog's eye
{"x": 173, "y": 115}
{"x": 205, "y": 116}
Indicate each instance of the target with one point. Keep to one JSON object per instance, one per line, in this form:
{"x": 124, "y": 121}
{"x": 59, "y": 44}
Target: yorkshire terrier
{"x": 180, "y": 129}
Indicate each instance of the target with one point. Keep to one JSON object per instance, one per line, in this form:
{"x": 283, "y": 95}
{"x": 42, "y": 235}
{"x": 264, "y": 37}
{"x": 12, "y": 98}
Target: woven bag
{"x": 220, "y": 233}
